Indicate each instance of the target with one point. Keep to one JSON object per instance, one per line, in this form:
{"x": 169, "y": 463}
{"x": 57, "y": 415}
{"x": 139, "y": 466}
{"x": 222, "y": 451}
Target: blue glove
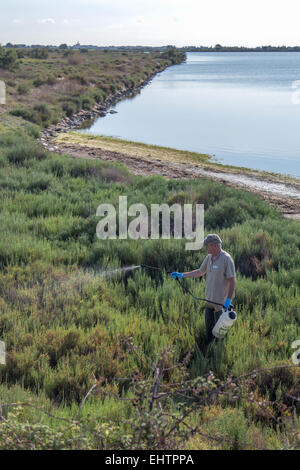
{"x": 227, "y": 303}
{"x": 176, "y": 275}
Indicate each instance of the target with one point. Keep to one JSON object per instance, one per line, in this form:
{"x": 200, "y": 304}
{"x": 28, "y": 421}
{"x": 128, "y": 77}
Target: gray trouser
{"x": 211, "y": 318}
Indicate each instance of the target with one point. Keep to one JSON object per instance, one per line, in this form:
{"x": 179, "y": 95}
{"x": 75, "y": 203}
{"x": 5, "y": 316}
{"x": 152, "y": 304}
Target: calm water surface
{"x": 243, "y": 108}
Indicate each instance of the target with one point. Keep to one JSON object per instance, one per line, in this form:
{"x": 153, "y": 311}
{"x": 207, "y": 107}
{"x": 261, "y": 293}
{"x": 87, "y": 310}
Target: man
{"x": 220, "y": 280}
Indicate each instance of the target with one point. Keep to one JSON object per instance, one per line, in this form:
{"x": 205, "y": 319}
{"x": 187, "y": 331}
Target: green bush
{"x": 8, "y": 58}
{"x": 33, "y": 131}
{"x": 38, "y": 53}
{"x": 79, "y": 78}
{"x": 51, "y": 80}
{"x": 38, "y": 182}
{"x": 40, "y": 114}
{"x": 23, "y": 88}
{"x": 39, "y": 81}
{"x": 232, "y": 426}
{"x": 86, "y": 102}
{"x": 19, "y": 153}
{"x": 77, "y": 101}
{"x": 69, "y": 108}
{"x": 99, "y": 96}
{"x": 16, "y": 435}
{"x": 24, "y": 113}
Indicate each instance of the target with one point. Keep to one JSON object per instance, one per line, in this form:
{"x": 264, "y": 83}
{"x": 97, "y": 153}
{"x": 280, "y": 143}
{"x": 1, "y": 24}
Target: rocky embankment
{"x": 76, "y": 121}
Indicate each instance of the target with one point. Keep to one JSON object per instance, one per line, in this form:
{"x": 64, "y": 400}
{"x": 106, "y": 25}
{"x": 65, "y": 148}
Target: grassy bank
{"x": 134, "y": 149}
{"x": 165, "y": 154}
{"x": 82, "y": 344}
{"x": 42, "y": 89}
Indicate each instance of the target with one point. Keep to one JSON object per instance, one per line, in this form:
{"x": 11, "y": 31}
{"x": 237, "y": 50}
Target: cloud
{"x": 46, "y": 20}
{"x": 70, "y": 20}
{"x": 18, "y": 21}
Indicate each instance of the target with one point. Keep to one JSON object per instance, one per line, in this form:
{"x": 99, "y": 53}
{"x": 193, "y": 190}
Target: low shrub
{"x": 74, "y": 59}
{"x": 8, "y": 58}
{"x": 23, "y": 112}
{"x": 86, "y": 102}
{"x": 38, "y": 53}
{"x": 40, "y": 114}
{"x": 23, "y": 88}
{"x": 19, "y": 153}
{"x": 69, "y": 108}
{"x": 51, "y": 80}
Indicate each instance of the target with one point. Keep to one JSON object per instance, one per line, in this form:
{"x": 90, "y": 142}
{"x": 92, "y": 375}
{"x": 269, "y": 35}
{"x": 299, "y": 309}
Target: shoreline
{"x": 278, "y": 189}
{"x": 146, "y": 160}
{"x": 50, "y": 138}
{"x": 84, "y": 116}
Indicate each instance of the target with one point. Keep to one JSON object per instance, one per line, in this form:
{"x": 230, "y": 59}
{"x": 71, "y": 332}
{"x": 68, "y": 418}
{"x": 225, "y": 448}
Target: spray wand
{"x": 182, "y": 285}
{"x": 227, "y": 317}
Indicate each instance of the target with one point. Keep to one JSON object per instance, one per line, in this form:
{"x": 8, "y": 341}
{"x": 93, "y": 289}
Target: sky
{"x": 150, "y": 22}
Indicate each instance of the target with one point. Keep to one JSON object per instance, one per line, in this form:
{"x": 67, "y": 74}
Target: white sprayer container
{"x": 2, "y": 353}
{"x": 225, "y": 322}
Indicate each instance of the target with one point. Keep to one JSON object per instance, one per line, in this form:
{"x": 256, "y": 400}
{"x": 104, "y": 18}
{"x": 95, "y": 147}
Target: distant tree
{"x": 173, "y": 55}
{"x": 8, "y": 58}
{"x": 21, "y": 53}
{"x": 68, "y": 53}
{"x": 38, "y": 53}
{"x": 63, "y": 46}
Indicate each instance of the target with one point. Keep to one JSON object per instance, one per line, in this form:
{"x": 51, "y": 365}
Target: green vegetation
{"x": 52, "y": 78}
{"x": 8, "y": 58}
{"x": 82, "y": 346}
{"x": 40, "y": 114}
{"x": 64, "y": 326}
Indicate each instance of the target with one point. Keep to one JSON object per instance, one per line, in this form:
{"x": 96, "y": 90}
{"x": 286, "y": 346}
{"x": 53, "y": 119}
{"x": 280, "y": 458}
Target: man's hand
{"x": 176, "y": 275}
{"x": 227, "y": 303}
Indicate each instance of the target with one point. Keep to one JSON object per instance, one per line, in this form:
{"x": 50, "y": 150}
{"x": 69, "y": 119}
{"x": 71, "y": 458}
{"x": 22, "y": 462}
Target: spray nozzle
{"x": 154, "y": 268}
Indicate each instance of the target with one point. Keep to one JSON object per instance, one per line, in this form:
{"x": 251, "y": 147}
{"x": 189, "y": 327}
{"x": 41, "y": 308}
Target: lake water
{"x": 243, "y": 108}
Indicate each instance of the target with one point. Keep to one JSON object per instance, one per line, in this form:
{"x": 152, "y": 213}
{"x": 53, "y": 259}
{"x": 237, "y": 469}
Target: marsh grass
{"x": 64, "y": 331}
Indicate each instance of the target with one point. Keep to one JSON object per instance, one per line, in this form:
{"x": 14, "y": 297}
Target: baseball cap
{"x": 212, "y": 238}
